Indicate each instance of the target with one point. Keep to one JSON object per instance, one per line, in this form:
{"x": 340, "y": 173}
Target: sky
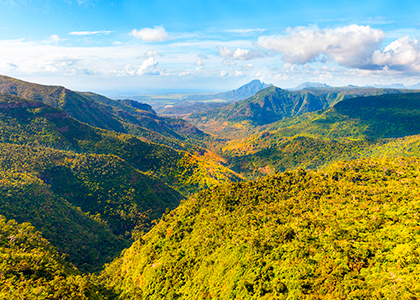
{"x": 132, "y": 47}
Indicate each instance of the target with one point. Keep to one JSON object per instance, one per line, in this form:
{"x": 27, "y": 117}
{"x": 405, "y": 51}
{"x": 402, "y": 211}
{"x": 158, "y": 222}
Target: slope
{"x": 79, "y": 107}
{"x": 88, "y": 243}
{"x": 99, "y": 111}
{"x": 273, "y": 104}
{"x": 32, "y": 269}
{"x": 351, "y": 129}
{"x": 347, "y": 232}
{"x": 26, "y": 122}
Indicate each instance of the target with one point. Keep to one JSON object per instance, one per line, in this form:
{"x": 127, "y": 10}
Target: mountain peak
{"x": 244, "y": 92}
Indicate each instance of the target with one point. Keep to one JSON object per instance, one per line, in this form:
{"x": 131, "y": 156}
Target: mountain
{"x": 383, "y": 116}
{"x": 88, "y": 190}
{"x": 28, "y": 122}
{"x": 195, "y": 104}
{"x": 352, "y": 129}
{"x": 391, "y": 86}
{"x": 414, "y": 86}
{"x": 124, "y": 116}
{"x": 306, "y": 85}
{"x": 79, "y": 107}
{"x": 273, "y": 104}
{"x": 244, "y": 92}
{"x": 349, "y": 231}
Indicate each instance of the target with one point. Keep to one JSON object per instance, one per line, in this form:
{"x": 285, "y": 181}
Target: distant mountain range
{"x": 306, "y": 85}
{"x": 194, "y": 103}
{"x": 273, "y": 104}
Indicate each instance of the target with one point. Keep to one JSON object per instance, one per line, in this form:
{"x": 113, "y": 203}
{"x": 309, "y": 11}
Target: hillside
{"x": 347, "y": 232}
{"x": 273, "y": 104}
{"x": 383, "y": 116}
{"x": 32, "y": 269}
{"x": 90, "y": 200}
{"x": 27, "y": 122}
{"x": 87, "y": 205}
{"x": 124, "y": 116}
{"x": 352, "y": 129}
{"x": 79, "y": 107}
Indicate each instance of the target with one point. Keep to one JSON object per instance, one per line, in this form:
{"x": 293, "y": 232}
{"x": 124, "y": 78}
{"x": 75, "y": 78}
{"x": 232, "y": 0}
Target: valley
{"x": 269, "y": 193}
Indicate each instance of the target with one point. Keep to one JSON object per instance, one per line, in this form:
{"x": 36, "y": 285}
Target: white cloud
{"x": 53, "y": 39}
{"x": 243, "y": 31}
{"x": 239, "y": 54}
{"x": 350, "y": 46}
{"x": 151, "y": 53}
{"x": 148, "y": 67}
{"x": 224, "y": 73}
{"x": 199, "y": 62}
{"x": 402, "y": 54}
{"x": 156, "y": 34}
{"x": 247, "y": 66}
{"x": 228, "y": 63}
{"x": 103, "y": 32}
{"x": 238, "y": 73}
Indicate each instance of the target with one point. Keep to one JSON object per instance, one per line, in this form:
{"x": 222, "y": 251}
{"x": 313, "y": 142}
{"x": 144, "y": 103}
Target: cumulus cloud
{"x": 228, "y": 62}
{"x": 238, "y": 73}
{"x": 247, "y": 66}
{"x": 239, "y": 54}
{"x": 156, "y": 34}
{"x": 199, "y": 62}
{"x": 224, "y": 73}
{"x": 148, "y": 67}
{"x": 350, "y": 46}
{"x": 151, "y": 53}
{"x": 54, "y": 39}
{"x": 402, "y": 54}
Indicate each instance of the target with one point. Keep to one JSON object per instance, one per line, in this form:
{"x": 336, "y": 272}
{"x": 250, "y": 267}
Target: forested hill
{"x": 90, "y": 200}
{"x": 32, "y": 269}
{"x": 27, "y": 122}
{"x": 273, "y": 104}
{"x": 348, "y": 232}
{"x": 81, "y": 108}
{"x": 352, "y": 129}
{"x": 123, "y": 116}
{"x": 383, "y": 116}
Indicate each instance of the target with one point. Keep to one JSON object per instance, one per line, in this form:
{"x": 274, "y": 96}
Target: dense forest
{"x": 349, "y": 231}
{"x": 309, "y": 194}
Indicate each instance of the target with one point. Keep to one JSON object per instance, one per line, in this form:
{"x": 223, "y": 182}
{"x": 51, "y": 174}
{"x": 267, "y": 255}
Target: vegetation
{"x": 26, "y": 122}
{"x": 274, "y": 104}
{"x": 351, "y": 129}
{"x": 30, "y": 268}
{"x": 350, "y": 231}
{"x": 125, "y": 116}
{"x": 347, "y": 229}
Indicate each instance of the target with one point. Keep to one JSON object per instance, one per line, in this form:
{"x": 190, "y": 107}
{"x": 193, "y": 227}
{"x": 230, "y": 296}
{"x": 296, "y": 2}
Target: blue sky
{"x": 135, "y": 47}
